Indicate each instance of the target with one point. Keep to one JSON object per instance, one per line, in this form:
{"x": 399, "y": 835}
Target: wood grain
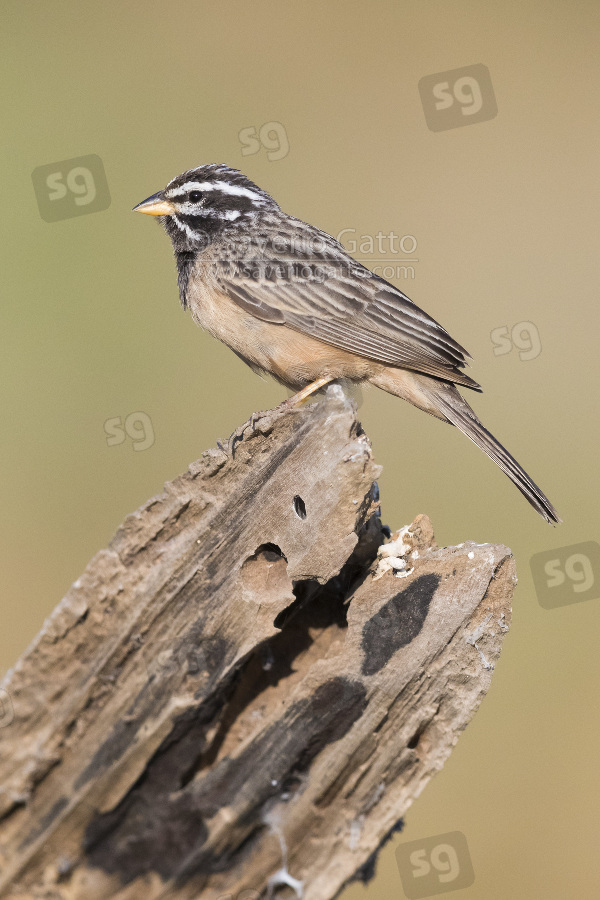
{"x": 245, "y": 691}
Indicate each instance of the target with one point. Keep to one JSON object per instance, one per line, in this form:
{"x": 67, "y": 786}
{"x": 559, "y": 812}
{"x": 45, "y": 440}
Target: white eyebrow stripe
{"x": 222, "y": 186}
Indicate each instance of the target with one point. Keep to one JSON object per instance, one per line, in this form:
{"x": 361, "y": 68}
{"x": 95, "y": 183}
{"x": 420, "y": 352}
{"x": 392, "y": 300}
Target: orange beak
{"x": 156, "y": 205}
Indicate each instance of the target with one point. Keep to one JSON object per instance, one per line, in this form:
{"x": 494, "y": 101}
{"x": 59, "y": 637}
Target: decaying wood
{"x": 243, "y": 695}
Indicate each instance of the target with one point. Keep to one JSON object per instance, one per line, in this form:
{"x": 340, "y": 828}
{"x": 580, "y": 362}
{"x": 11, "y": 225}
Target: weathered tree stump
{"x": 246, "y": 691}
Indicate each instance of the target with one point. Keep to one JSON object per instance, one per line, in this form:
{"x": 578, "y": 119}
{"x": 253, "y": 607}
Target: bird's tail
{"x": 443, "y": 400}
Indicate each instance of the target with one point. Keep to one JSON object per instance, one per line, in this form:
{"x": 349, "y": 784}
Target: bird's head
{"x": 198, "y": 205}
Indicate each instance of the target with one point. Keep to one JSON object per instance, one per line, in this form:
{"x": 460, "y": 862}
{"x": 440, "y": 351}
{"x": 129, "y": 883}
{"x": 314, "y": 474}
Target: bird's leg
{"x": 305, "y": 393}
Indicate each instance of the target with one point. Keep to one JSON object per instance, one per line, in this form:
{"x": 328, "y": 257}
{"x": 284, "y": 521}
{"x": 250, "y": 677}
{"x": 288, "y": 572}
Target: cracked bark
{"x": 232, "y": 697}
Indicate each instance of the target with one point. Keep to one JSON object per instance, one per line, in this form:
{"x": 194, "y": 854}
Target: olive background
{"x": 505, "y": 214}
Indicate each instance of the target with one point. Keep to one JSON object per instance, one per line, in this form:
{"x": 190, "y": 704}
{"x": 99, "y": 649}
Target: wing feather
{"x": 333, "y": 298}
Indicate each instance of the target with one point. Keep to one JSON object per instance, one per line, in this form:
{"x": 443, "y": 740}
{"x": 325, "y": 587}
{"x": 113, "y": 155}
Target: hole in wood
{"x": 211, "y": 744}
{"x": 270, "y": 552}
{"x": 264, "y": 575}
{"x": 299, "y": 507}
{"x": 414, "y": 741}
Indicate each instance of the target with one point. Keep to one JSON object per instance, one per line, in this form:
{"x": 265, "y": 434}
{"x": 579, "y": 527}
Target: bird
{"x": 289, "y": 300}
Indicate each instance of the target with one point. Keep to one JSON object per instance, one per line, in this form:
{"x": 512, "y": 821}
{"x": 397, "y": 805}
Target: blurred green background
{"x": 505, "y": 215}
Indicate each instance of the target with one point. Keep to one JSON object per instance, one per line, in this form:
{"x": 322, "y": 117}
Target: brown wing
{"x": 335, "y": 299}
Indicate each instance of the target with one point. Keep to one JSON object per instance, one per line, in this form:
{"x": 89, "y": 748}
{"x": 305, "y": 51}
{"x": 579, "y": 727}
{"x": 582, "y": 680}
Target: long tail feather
{"x": 457, "y": 411}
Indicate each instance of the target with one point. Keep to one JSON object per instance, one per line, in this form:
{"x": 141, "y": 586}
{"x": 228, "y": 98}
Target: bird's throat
{"x": 185, "y": 260}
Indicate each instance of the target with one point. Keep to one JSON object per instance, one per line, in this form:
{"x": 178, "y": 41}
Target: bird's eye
{"x": 195, "y": 196}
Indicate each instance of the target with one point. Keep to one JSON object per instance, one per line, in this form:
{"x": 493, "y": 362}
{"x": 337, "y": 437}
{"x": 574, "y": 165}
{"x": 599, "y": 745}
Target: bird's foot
{"x": 236, "y": 437}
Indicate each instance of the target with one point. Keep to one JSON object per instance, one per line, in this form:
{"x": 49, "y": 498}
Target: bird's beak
{"x": 156, "y": 205}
